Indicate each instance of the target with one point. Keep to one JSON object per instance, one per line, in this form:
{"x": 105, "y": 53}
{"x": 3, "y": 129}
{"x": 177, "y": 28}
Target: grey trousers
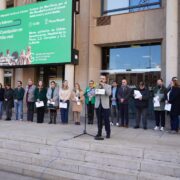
{"x": 141, "y": 113}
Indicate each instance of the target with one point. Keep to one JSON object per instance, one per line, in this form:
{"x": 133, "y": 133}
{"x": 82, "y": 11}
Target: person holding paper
{"x": 102, "y": 106}
{"x": 123, "y": 95}
{"x": 174, "y": 100}
{"x": 90, "y": 101}
{"x": 77, "y": 99}
{"x": 64, "y": 96}
{"x": 30, "y": 100}
{"x": 18, "y": 100}
{"x": 53, "y": 101}
{"x": 141, "y": 104}
{"x": 40, "y": 99}
{"x": 160, "y": 93}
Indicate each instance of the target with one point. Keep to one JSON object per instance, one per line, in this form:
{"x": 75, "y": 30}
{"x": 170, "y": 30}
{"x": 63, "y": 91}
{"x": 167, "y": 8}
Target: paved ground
{"x": 54, "y": 133}
{"x": 11, "y": 176}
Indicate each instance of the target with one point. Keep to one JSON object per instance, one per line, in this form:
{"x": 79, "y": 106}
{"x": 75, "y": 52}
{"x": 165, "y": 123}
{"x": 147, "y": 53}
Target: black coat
{"x": 174, "y": 99}
{"x": 2, "y": 94}
{"x": 126, "y": 94}
{"x": 8, "y": 97}
{"x": 145, "y": 99}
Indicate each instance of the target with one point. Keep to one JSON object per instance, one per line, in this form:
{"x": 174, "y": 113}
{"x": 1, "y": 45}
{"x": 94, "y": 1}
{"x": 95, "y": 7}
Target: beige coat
{"x": 75, "y": 106}
{"x": 64, "y": 94}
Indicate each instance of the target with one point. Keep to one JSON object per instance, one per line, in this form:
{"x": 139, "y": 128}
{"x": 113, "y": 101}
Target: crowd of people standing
{"x": 164, "y": 99}
{"x": 111, "y": 103}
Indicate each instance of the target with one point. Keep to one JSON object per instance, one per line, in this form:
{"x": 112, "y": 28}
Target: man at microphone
{"x": 102, "y": 106}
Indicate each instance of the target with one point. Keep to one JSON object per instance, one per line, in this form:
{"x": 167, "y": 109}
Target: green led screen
{"x": 35, "y": 34}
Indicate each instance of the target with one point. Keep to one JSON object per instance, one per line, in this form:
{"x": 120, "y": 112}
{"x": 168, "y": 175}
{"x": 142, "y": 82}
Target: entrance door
{"x": 133, "y": 81}
{"x": 8, "y": 73}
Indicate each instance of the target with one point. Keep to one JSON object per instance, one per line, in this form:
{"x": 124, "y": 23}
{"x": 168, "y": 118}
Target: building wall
{"x": 143, "y": 26}
{"x": 82, "y": 43}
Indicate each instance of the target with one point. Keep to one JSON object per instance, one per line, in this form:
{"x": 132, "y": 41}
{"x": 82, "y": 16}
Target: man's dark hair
{"x": 20, "y": 82}
{"x": 53, "y": 82}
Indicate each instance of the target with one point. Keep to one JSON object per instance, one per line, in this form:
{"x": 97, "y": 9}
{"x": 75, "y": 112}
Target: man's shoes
{"x": 108, "y": 136}
{"x": 136, "y": 127}
{"x": 50, "y": 122}
{"x": 7, "y": 119}
{"x": 98, "y": 135}
{"x": 145, "y": 128}
{"x": 126, "y": 126}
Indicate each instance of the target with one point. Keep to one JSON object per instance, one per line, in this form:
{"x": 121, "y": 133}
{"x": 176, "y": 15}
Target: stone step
{"x": 132, "y": 153}
{"x": 51, "y": 174}
{"x": 13, "y": 176}
{"x": 93, "y": 163}
{"x": 73, "y": 166}
{"x": 41, "y": 172}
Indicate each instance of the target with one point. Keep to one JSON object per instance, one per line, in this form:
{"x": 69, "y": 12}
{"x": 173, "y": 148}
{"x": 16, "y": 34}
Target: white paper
{"x": 78, "y": 103}
{"x": 63, "y": 105}
{"x": 39, "y": 104}
{"x": 51, "y": 102}
{"x": 156, "y": 101}
{"x": 137, "y": 94}
{"x": 167, "y": 107}
{"x": 77, "y": 99}
{"x": 100, "y": 91}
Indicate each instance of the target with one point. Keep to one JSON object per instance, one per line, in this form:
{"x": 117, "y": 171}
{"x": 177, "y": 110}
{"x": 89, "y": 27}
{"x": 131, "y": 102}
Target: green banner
{"x": 39, "y": 33}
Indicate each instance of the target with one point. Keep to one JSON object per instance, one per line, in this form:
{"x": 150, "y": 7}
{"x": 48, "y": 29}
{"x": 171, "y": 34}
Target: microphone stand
{"x": 84, "y": 131}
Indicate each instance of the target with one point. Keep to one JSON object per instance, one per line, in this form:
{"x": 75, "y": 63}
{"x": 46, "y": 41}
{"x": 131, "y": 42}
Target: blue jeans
{"x": 174, "y": 122}
{"x": 1, "y": 109}
{"x": 64, "y": 113}
{"x": 18, "y": 105}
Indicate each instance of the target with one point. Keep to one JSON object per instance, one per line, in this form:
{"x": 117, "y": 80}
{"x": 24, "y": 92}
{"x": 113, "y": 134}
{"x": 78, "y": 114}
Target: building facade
{"x": 135, "y": 39}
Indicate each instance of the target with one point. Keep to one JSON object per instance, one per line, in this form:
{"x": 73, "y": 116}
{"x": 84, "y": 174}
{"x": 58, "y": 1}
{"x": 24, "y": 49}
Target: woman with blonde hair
{"x": 77, "y": 98}
{"x": 64, "y": 96}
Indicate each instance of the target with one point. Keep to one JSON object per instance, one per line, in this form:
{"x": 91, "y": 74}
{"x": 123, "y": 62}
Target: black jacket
{"x": 19, "y": 93}
{"x": 8, "y": 97}
{"x": 145, "y": 99}
{"x": 174, "y": 99}
{"x": 125, "y": 94}
{"x": 2, "y": 94}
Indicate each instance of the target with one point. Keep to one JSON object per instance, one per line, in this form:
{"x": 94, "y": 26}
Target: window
{"x": 111, "y": 7}
{"x": 143, "y": 58}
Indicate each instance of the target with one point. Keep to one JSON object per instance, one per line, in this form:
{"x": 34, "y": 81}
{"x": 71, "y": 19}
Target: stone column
{"x": 69, "y": 75}
{"x": 18, "y": 73}
{"x": 2, "y": 6}
{"x": 171, "y": 39}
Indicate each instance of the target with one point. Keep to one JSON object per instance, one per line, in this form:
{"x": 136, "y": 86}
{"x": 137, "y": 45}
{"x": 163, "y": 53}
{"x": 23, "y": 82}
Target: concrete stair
{"x": 82, "y": 160}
